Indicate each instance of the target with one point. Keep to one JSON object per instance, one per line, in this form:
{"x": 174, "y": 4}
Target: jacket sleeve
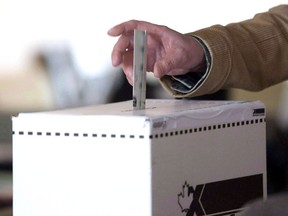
{"x": 250, "y": 55}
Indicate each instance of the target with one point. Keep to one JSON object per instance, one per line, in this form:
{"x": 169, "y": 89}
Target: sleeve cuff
{"x": 189, "y": 82}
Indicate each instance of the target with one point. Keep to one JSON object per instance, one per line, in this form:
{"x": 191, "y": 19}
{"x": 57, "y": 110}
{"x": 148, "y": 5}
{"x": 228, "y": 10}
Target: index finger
{"x": 122, "y": 28}
{"x": 128, "y": 27}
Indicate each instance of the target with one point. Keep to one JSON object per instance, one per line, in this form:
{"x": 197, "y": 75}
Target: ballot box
{"x": 173, "y": 158}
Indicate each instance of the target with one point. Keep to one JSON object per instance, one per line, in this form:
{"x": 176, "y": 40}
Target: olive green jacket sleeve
{"x": 250, "y": 55}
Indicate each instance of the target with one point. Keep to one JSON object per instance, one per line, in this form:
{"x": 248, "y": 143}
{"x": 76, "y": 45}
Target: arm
{"x": 250, "y": 55}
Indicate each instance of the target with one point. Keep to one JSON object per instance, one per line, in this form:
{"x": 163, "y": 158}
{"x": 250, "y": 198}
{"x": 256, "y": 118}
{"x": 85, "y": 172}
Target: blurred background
{"x": 55, "y": 54}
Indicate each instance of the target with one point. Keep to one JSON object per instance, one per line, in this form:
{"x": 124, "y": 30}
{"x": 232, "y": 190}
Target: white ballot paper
{"x": 139, "y": 70}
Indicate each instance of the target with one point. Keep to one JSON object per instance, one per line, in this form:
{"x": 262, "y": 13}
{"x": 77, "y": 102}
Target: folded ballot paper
{"x": 173, "y": 158}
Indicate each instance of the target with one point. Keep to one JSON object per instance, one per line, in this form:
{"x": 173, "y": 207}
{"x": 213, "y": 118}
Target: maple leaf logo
{"x": 185, "y": 198}
{"x": 189, "y": 200}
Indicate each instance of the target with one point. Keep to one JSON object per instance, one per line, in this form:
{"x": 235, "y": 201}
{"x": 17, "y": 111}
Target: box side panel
{"x": 209, "y": 170}
{"x": 82, "y": 164}
{"x": 80, "y": 173}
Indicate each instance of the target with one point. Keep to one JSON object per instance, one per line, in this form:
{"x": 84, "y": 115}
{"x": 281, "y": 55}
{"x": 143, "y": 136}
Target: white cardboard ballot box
{"x": 174, "y": 158}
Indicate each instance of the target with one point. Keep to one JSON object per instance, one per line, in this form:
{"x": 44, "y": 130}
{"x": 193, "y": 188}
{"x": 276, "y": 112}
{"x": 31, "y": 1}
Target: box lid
{"x": 158, "y": 115}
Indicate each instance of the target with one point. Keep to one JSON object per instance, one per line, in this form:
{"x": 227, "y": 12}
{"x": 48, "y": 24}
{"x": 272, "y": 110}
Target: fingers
{"x": 127, "y": 66}
{"x": 122, "y": 53}
{"x": 123, "y": 28}
{"x": 129, "y": 26}
{"x": 125, "y": 42}
{"x": 123, "y": 45}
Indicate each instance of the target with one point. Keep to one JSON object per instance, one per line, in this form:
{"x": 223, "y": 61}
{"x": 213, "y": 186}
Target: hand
{"x": 168, "y": 52}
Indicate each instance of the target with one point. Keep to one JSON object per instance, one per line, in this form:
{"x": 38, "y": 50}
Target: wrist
{"x": 205, "y": 62}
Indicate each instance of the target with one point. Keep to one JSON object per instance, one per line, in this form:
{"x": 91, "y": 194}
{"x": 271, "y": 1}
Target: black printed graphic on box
{"x": 225, "y": 197}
